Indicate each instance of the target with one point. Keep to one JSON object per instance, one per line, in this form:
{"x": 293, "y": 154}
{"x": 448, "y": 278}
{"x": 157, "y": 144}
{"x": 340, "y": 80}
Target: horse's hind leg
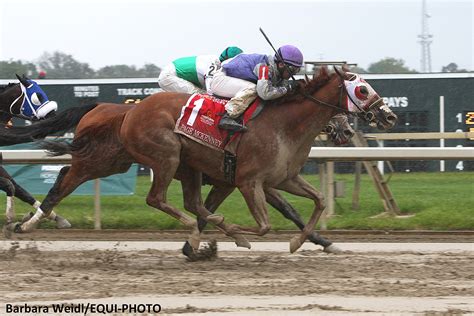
{"x": 68, "y": 180}
{"x": 254, "y": 196}
{"x": 275, "y": 199}
{"x": 161, "y": 154}
{"x": 25, "y": 196}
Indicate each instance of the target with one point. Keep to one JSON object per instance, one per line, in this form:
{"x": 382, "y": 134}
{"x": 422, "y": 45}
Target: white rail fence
{"x": 319, "y": 153}
{"x": 20, "y": 156}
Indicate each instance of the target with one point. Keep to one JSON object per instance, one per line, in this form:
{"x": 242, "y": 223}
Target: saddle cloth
{"x": 200, "y": 118}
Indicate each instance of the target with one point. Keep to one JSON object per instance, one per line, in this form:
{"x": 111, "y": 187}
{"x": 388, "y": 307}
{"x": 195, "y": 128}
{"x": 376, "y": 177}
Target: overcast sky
{"x": 135, "y": 32}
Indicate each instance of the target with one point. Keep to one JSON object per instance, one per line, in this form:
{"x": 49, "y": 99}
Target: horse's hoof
{"x": 62, "y": 223}
{"x": 188, "y": 250}
{"x": 10, "y": 228}
{"x": 215, "y": 219}
{"x": 194, "y": 240}
{"x": 295, "y": 243}
{"x": 333, "y": 249}
{"x": 7, "y": 230}
{"x": 27, "y": 217}
{"x": 26, "y": 227}
{"x": 241, "y": 241}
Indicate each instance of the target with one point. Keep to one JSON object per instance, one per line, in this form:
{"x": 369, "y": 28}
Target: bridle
{"x": 14, "y": 102}
{"x": 363, "y": 113}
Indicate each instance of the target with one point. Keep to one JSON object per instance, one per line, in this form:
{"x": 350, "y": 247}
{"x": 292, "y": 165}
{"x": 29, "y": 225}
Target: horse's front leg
{"x": 301, "y": 187}
{"x": 191, "y": 184}
{"x": 7, "y": 186}
{"x": 275, "y": 199}
{"x": 254, "y": 196}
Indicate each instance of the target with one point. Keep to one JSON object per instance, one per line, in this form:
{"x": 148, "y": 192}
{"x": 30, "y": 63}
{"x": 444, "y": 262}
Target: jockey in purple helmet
{"x": 247, "y": 76}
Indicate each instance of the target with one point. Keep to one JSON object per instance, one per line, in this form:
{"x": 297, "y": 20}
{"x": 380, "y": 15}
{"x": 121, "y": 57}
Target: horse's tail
{"x": 61, "y": 122}
{"x": 95, "y": 141}
{"x": 56, "y": 147}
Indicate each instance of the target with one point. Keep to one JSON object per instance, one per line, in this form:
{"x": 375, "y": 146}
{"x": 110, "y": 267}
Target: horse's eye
{"x": 364, "y": 90}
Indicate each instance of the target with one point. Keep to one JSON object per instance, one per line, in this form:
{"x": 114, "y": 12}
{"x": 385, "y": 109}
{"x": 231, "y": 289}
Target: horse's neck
{"x": 305, "y": 120}
{"x": 6, "y": 100}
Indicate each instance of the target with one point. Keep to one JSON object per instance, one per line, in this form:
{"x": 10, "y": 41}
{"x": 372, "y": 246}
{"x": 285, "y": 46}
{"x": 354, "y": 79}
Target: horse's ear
{"x": 340, "y": 73}
{"x": 345, "y": 67}
{"x": 23, "y": 80}
{"x": 306, "y": 78}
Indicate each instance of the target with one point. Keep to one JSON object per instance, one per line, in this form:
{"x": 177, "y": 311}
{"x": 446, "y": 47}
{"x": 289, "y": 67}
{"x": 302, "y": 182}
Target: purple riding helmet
{"x": 291, "y": 56}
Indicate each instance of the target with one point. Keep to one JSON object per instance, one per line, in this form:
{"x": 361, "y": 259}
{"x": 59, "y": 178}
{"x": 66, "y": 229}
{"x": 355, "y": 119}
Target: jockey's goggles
{"x": 293, "y": 69}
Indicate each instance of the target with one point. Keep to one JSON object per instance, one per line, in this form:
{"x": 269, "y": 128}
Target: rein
{"x": 336, "y": 107}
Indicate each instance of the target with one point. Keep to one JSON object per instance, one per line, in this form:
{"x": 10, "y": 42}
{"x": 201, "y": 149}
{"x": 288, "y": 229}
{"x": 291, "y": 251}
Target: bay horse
{"x": 270, "y": 154}
{"x": 25, "y": 100}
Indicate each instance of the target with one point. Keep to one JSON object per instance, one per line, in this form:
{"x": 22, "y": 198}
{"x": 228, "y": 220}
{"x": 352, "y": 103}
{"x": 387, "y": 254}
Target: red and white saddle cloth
{"x": 200, "y": 118}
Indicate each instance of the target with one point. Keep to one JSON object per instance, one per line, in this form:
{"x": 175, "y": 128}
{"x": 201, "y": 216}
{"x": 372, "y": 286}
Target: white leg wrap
{"x": 31, "y": 224}
{"x": 37, "y": 204}
{"x": 52, "y": 216}
{"x": 10, "y": 212}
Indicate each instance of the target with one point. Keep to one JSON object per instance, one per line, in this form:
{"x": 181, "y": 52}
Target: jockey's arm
{"x": 265, "y": 88}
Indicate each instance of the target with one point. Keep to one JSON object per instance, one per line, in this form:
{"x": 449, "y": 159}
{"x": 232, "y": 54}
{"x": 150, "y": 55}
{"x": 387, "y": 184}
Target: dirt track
{"x": 309, "y": 282}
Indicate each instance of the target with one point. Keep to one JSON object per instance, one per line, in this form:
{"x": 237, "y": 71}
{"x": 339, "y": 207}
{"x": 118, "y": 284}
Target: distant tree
{"x": 452, "y": 67}
{"x": 358, "y": 70}
{"x": 59, "y": 65}
{"x": 117, "y": 71}
{"x": 389, "y": 65}
{"x": 149, "y": 71}
{"x": 125, "y": 71}
{"x": 9, "y": 68}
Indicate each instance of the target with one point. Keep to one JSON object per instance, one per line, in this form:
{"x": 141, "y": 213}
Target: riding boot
{"x": 230, "y": 124}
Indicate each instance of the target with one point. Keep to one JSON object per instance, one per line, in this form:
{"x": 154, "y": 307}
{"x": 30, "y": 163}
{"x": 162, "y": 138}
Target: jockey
{"x": 247, "y": 76}
{"x": 193, "y": 74}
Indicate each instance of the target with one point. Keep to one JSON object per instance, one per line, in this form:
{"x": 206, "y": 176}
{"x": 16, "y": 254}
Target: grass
{"x": 439, "y": 201}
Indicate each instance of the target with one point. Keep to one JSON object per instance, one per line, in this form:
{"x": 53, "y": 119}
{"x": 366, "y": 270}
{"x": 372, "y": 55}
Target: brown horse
{"x": 270, "y": 154}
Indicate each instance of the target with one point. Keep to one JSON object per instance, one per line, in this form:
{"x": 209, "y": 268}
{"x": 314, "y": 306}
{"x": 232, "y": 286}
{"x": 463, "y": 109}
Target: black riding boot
{"x": 230, "y": 124}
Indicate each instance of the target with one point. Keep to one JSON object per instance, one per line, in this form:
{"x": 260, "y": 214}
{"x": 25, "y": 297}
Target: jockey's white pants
{"x": 170, "y": 82}
{"x": 241, "y": 92}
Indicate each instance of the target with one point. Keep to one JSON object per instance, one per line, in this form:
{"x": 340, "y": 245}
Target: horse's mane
{"x": 8, "y": 86}
{"x": 321, "y": 77}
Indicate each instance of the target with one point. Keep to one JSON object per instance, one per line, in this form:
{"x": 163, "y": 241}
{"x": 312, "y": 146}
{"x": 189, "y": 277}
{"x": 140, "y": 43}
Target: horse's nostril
{"x": 348, "y": 133}
{"x": 391, "y": 118}
{"x": 369, "y": 116}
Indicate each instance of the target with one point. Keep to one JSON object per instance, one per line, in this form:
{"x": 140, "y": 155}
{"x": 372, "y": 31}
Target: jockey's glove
{"x": 293, "y": 85}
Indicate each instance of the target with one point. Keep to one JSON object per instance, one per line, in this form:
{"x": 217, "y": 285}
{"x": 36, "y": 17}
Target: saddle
{"x": 200, "y": 117}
